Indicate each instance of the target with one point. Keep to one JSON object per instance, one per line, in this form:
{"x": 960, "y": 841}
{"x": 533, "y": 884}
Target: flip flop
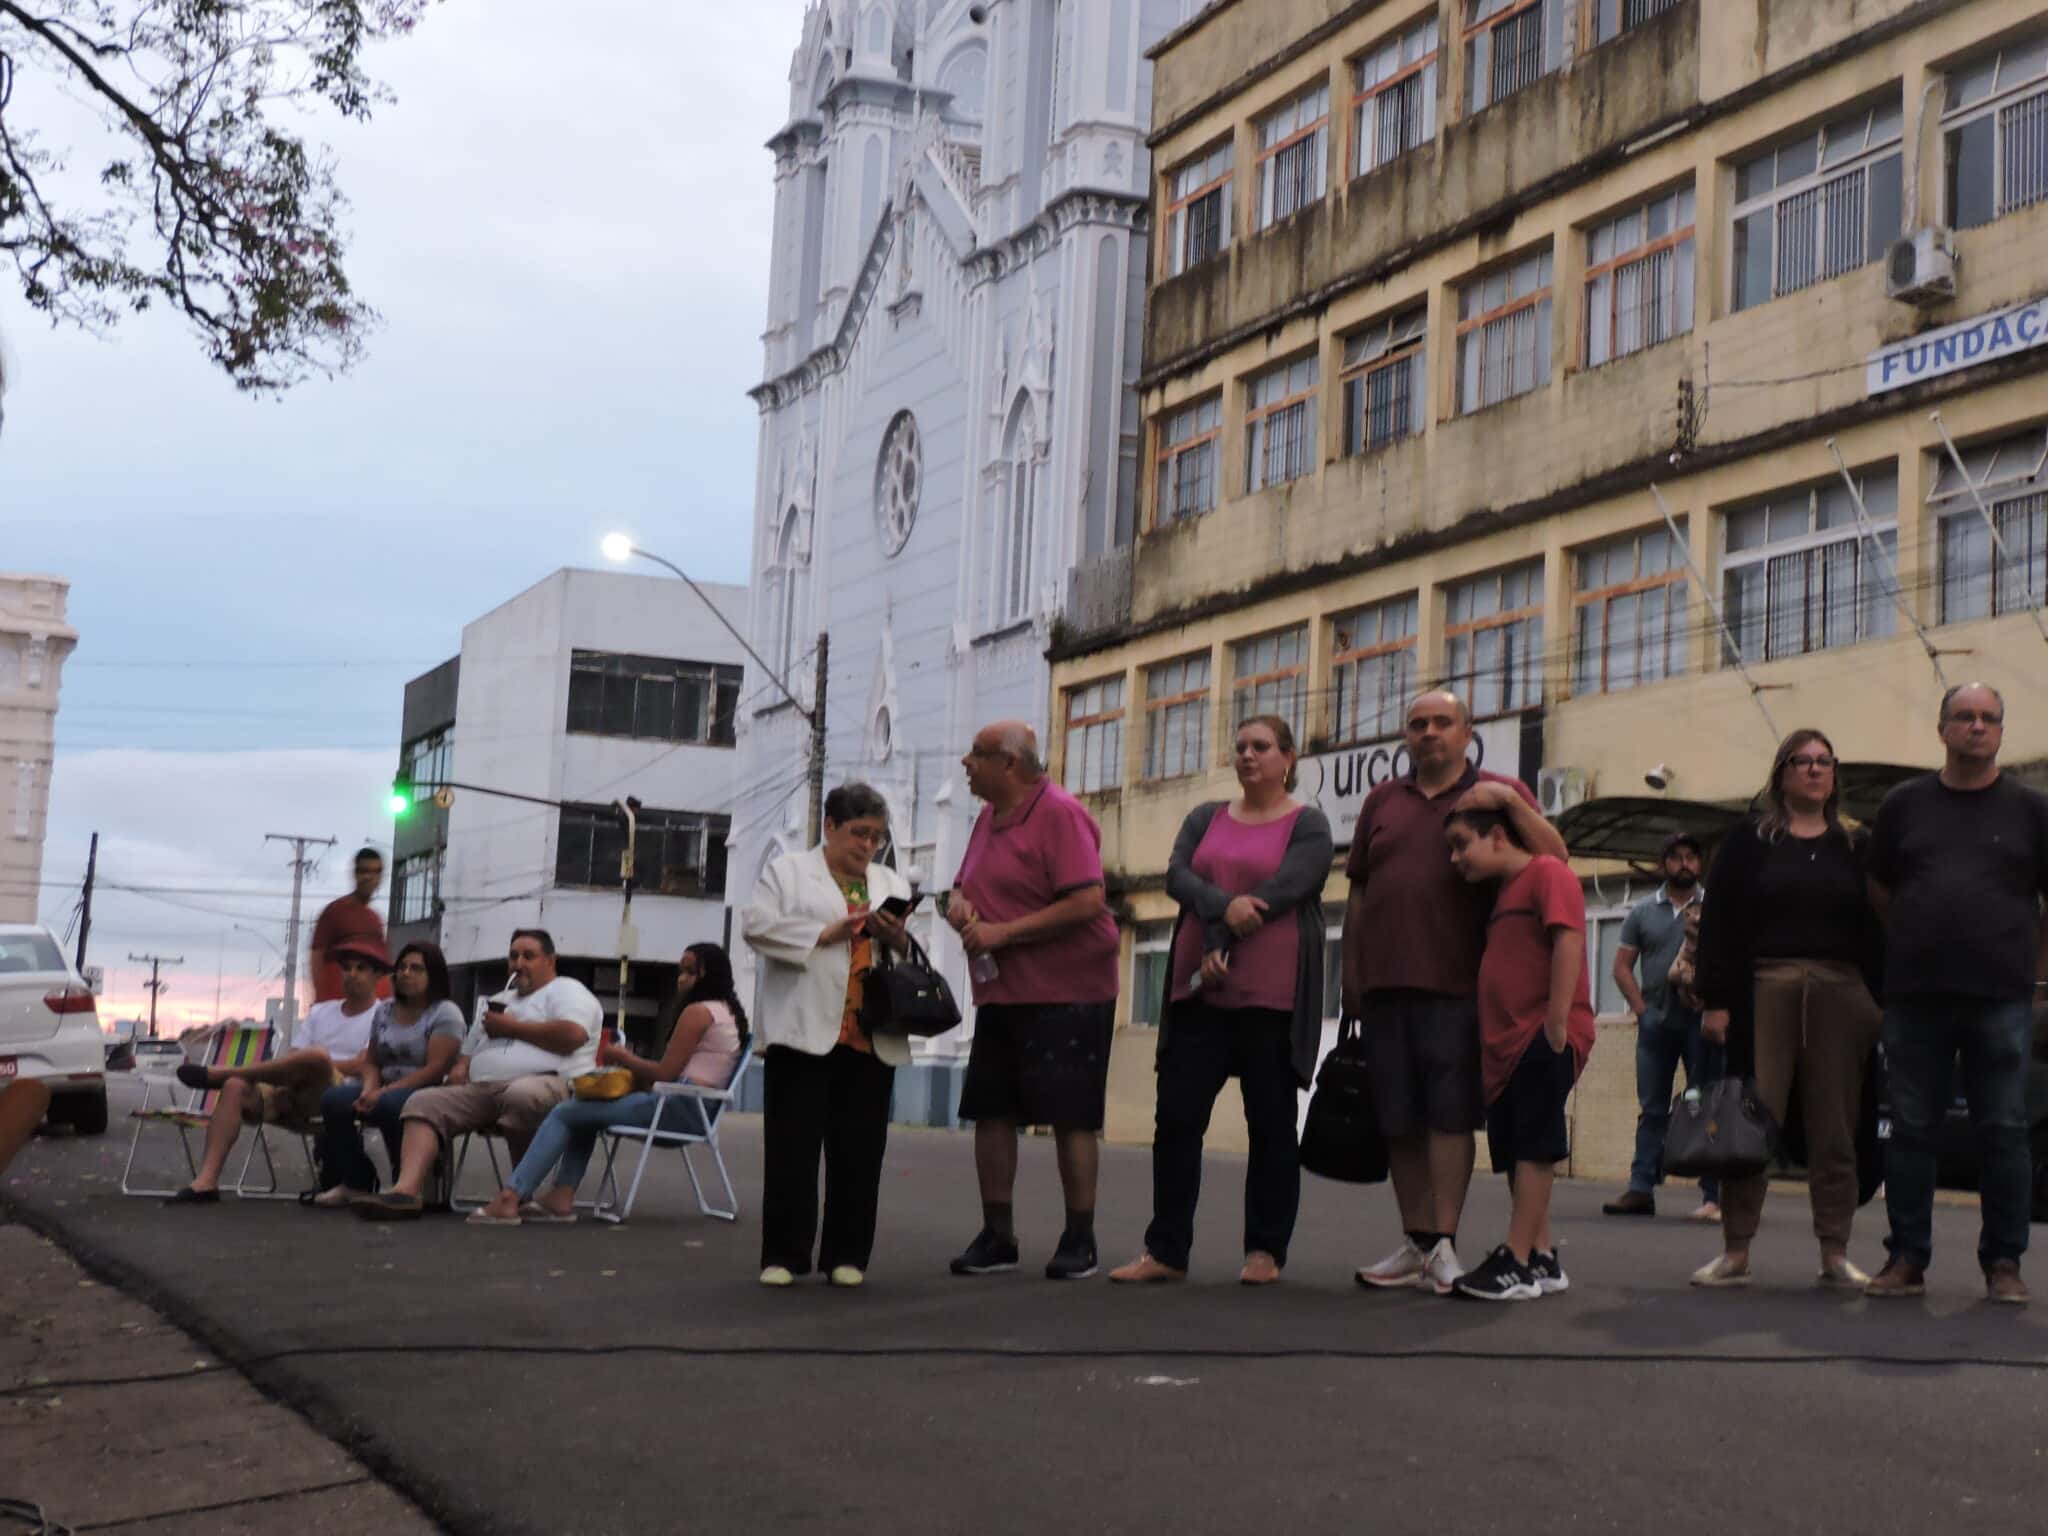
{"x": 539, "y": 1214}
{"x": 483, "y": 1218}
{"x": 190, "y": 1196}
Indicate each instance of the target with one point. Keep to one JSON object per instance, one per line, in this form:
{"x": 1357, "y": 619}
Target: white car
{"x": 50, "y": 1027}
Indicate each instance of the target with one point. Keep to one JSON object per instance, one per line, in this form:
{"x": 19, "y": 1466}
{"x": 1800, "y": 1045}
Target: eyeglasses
{"x": 1817, "y": 762}
{"x": 1976, "y": 717}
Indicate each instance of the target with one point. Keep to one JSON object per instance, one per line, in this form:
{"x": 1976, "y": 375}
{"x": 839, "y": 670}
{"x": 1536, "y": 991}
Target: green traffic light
{"x": 401, "y": 798}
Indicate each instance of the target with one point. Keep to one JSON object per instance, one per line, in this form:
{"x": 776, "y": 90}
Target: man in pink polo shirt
{"x": 1413, "y": 935}
{"x": 1028, "y": 905}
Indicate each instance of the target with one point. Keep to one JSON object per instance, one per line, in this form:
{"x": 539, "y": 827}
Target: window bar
{"x": 1891, "y": 574}
{"x": 1699, "y": 579}
{"x": 1997, "y": 538}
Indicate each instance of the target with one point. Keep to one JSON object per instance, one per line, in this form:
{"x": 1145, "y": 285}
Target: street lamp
{"x": 618, "y": 548}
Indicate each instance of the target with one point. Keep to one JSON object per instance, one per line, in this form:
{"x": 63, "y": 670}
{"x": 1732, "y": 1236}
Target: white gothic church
{"x": 949, "y": 424}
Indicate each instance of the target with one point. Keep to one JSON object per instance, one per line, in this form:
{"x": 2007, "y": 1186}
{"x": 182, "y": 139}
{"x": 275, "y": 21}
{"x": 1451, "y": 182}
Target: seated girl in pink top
{"x": 709, "y": 1035}
{"x": 1244, "y": 999}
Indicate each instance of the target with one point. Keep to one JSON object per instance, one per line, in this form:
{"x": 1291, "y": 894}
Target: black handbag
{"x": 1341, "y": 1138}
{"x": 906, "y": 995}
{"x": 1725, "y": 1132}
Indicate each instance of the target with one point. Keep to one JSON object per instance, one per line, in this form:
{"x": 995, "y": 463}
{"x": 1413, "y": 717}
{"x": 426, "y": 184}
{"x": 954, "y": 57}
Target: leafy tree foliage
{"x": 203, "y": 197}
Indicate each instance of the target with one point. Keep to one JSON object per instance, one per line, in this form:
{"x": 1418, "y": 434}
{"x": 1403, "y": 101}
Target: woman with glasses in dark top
{"x": 1789, "y": 957}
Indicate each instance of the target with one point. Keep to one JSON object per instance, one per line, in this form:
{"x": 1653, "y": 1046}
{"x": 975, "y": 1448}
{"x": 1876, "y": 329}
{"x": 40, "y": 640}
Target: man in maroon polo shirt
{"x": 1029, "y": 907}
{"x": 1413, "y": 935}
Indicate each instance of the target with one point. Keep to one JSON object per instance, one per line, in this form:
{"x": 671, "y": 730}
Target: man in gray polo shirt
{"x": 1667, "y": 1030}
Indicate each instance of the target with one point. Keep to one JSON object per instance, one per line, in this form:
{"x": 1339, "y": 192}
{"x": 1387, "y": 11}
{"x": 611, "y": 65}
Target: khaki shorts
{"x": 293, "y": 1103}
{"x": 514, "y": 1108}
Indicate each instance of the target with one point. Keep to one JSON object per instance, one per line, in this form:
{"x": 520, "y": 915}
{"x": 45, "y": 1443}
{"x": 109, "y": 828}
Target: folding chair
{"x": 305, "y": 1131}
{"x": 685, "y": 1115}
{"x": 452, "y": 1167}
{"x": 246, "y": 1046}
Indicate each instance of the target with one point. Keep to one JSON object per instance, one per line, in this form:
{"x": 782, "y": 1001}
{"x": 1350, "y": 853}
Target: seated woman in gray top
{"x": 414, "y": 1037}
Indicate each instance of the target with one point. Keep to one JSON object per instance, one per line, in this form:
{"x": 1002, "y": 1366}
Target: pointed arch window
{"x": 789, "y": 589}
{"x": 1015, "y": 523}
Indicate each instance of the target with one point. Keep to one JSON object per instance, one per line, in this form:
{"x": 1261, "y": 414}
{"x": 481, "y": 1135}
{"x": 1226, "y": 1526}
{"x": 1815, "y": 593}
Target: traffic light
{"x": 401, "y": 797}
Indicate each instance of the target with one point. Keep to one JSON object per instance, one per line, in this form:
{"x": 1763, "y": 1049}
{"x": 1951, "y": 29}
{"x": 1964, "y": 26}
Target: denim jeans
{"x": 341, "y": 1145}
{"x": 1923, "y": 1036}
{"x": 1667, "y": 1036}
{"x": 569, "y": 1135}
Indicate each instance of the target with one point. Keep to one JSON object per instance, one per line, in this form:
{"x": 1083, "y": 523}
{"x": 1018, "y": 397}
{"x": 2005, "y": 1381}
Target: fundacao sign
{"x": 1338, "y": 782}
{"x": 1956, "y": 347}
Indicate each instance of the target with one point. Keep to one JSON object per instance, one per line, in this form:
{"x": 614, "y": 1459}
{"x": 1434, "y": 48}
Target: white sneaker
{"x": 1402, "y": 1267}
{"x": 1441, "y": 1269}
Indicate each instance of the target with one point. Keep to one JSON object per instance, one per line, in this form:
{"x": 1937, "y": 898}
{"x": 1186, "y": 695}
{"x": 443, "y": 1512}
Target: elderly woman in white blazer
{"x": 814, "y": 920}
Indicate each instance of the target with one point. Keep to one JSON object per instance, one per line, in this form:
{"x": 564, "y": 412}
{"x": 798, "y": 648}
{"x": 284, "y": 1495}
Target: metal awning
{"x": 1631, "y": 829}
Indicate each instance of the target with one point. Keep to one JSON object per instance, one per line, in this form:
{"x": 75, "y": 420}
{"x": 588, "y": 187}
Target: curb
{"x": 275, "y": 1381}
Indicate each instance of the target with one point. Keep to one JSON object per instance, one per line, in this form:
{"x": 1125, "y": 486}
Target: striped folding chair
{"x": 245, "y": 1046}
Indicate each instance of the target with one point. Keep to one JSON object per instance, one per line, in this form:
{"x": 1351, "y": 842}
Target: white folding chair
{"x": 240, "y": 1047}
{"x": 686, "y": 1115}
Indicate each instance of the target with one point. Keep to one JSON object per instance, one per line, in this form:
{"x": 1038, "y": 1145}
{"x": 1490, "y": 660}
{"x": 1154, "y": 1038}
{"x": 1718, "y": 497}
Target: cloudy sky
{"x": 565, "y": 228}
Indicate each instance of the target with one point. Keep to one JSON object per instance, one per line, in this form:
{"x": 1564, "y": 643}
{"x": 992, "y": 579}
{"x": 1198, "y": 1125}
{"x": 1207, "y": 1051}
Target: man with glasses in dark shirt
{"x": 1958, "y": 870}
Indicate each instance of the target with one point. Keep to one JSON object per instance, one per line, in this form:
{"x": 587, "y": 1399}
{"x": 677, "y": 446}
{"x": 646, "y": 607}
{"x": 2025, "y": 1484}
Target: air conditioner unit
{"x": 1559, "y": 789}
{"x": 1920, "y": 268}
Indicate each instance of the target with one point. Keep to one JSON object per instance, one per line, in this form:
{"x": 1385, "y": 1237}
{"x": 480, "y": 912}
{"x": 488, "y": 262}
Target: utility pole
{"x": 817, "y": 817}
{"x": 300, "y": 864}
{"x": 92, "y": 864}
{"x": 156, "y": 984}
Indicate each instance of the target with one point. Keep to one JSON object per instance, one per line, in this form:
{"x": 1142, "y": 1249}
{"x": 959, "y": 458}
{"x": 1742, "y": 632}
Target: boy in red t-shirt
{"x": 1535, "y": 1033}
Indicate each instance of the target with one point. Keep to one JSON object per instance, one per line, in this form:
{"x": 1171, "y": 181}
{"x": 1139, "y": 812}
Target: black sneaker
{"x": 988, "y": 1254}
{"x": 1074, "y": 1259}
{"x": 1500, "y": 1278}
{"x": 1550, "y": 1276}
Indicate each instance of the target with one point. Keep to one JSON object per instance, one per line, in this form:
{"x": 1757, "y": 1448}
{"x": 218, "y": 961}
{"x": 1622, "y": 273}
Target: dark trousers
{"x": 1923, "y": 1037}
{"x": 837, "y": 1104}
{"x": 342, "y": 1157}
{"x": 1202, "y": 1049}
{"x": 1667, "y": 1036}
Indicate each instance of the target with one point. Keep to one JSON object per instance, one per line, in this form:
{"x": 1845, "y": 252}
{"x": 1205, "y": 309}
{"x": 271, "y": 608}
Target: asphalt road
{"x": 596, "y": 1379}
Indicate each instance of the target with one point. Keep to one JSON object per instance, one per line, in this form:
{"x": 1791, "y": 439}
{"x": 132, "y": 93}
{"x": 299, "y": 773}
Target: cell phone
{"x": 900, "y": 907}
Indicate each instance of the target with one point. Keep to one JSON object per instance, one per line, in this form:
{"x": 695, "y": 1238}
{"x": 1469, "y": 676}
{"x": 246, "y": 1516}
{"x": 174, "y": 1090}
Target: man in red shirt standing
{"x": 1029, "y": 907}
{"x": 1413, "y": 935}
{"x": 344, "y": 919}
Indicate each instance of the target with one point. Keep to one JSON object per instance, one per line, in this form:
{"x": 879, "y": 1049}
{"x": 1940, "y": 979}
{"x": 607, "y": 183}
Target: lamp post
{"x": 618, "y": 548}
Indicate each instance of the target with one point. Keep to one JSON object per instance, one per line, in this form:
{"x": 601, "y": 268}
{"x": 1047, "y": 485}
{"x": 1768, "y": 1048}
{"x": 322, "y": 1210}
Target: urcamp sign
{"x": 1338, "y": 782}
{"x": 1956, "y": 347}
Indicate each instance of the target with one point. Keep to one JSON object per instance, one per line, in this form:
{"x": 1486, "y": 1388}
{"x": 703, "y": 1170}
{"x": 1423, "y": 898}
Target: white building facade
{"x": 34, "y": 643}
{"x": 585, "y": 689}
{"x": 948, "y": 424}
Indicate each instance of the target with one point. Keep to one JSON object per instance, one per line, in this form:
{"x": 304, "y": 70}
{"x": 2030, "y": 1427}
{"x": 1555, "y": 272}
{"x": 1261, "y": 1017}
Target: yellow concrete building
{"x": 1519, "y": 344}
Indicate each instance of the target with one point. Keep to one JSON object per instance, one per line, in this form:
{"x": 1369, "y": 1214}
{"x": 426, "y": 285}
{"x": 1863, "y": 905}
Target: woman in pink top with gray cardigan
{"x": 1245, "y": 999}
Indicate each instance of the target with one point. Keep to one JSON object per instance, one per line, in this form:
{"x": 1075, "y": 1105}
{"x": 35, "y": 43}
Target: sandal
{"x": 539, "y": 1214}
{"x": 481, "y": 1217}
{"x": 190, "y": 1196}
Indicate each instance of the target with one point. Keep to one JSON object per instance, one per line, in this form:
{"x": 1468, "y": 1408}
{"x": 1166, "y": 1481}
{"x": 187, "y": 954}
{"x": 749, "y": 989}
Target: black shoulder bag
{"x": 906, "y": 995}
{"x": 1341, "y": 1138}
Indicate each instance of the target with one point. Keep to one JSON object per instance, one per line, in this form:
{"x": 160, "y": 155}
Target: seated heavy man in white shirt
{"x": 515, "y": 1066}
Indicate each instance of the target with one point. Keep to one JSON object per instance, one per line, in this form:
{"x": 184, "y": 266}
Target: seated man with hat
{"x": 287, "y": 1088}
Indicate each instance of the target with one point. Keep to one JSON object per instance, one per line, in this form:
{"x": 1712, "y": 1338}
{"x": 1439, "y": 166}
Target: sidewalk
{"x": 595, "y": 1379}
{"x": 112, "y": 1419}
